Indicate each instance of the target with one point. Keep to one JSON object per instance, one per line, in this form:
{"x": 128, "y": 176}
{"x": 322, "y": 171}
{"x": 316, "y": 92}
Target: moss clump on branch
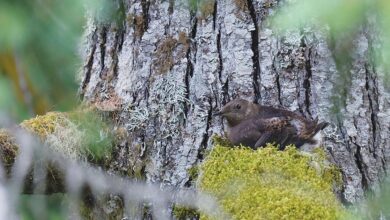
{"x": 8, "y": 149}
{"x": 79, "y": 135}
{"x": 44, "y": 125}
{"x": 271, "y": 184}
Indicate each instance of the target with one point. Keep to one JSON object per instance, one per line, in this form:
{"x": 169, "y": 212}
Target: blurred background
{"x": 39, "y": 63}
{"x": 39, "y": 58}
{"x": 38, "y": 55}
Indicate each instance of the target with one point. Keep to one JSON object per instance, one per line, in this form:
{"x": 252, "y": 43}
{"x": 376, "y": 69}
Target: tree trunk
{"x": 163, "y": 72}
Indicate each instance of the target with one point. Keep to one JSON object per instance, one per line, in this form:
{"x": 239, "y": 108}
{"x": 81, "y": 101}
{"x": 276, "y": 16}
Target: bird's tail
{"x": 314, "y": 128}
{"x": 310, "y": 137}
{"x": 320, "y": 126}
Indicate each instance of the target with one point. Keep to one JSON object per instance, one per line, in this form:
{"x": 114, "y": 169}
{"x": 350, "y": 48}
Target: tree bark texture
{"x": 162, "y": 73}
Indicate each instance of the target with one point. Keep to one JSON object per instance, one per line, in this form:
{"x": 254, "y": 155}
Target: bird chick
{"x": 255, "y": 125}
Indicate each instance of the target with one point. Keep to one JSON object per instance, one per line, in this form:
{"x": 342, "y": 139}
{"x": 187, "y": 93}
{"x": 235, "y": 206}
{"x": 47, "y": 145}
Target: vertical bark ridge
{"x": 102, "y": 45}
{"x": 191, "y": 53}
{"x": 205, "y": 139}
{"x": 97, "y": 66}
{"x": 225, "y": 85}
{"x": 236, "y": 43}
{"x": 373, "y": 117}
{"x": 268, "y": 87}
{"x": 88, "y": 66}
{"x": 361, "y": 166}
{"x": 145, "y": 15}
{"x": 255, "y": 50}
{"x": 278, "y": 88}
{"x": 306, "y": 83}
{"x": 215, "y": 14}
{"x": 380, "y": 98}
{"x": 117, "y": 47}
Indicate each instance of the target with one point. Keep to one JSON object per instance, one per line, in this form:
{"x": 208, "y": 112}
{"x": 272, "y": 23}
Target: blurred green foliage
{"x": 203, "y": 8}
{"x": 344, "y": 18}
{"x": 36, "y": 207}
{"x": 376, "y": 204}
{"x": 39, "y": 61}
{"x": 38, "y": 55}
{"x": 340, "y": 15}
{"x": 39, "y": 42}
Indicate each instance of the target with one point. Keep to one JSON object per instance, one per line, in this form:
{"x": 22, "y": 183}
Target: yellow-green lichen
{"x": 270, "y": 184}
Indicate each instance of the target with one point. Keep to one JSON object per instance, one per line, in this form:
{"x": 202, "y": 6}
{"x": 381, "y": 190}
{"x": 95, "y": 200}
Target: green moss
{"x": 193, "y": 172}
{"x": 45, "y": 124}
{"x": 221, "y": 141}
{"x": 271, "y": 184}
{"x": 181, "y": 212}
{"x": 8, "y": 149}
{"x": 98, "y": 135}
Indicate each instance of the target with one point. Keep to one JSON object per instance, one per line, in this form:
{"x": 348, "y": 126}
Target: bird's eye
{"x": 238, "y": 106}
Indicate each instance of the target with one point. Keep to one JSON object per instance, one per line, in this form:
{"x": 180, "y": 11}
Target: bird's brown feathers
{"x": 255, "y": 125}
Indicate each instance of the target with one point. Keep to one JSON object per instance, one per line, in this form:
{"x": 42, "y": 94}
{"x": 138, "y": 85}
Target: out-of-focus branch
{"x": 9, "y": 151}
{"x": 69, "y": 135}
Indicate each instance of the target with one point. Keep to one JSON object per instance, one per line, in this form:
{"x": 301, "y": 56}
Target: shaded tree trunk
{"x": 163, "y": 70}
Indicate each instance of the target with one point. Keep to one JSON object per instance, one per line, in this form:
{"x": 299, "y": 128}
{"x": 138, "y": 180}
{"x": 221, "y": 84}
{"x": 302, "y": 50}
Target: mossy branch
{"x": 78, "y": 136}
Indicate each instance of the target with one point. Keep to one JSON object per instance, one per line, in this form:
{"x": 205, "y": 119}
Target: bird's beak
{"x": 218, "y": 113}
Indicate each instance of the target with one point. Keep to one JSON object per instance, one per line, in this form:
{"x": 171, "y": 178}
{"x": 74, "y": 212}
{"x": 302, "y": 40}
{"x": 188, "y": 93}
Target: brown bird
{"x": 255, "y": 125}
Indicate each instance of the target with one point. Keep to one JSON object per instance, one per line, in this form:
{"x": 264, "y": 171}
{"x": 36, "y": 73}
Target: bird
{"x": 255, "y": 125}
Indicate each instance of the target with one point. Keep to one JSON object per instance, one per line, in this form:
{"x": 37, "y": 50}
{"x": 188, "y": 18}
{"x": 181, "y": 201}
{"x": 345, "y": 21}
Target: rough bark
{"x": 164, "y": 71}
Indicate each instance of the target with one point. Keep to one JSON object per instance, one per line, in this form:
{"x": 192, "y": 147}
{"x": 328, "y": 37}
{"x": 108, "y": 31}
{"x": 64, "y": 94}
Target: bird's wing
{"x": 275, "y": 123}
{"x": 278, "y": 138}
{"x": 266, "y": 137}
{"x": 270, "y": 112}
{"x": 274, "y": 130}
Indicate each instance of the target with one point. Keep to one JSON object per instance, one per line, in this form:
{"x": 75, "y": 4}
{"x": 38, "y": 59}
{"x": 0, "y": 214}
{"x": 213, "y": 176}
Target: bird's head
{"x": 236, "y": 111}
